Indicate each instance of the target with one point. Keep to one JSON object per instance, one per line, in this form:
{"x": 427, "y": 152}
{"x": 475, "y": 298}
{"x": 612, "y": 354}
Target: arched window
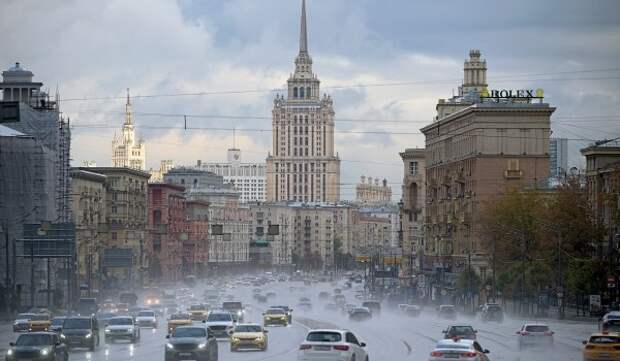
{"x": 295, "y": 92}
{"x": 301, "y": 92}
{"x": 308, "y": 92}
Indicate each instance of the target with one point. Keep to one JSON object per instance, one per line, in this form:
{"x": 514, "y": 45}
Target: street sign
{"x": 611, "y": 282}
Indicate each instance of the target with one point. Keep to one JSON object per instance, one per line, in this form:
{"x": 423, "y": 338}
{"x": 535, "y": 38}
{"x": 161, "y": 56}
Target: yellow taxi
{"x": 39, "y": 322}
{"x": 275, "y": 316}
{"x": 179, "y": 319}
{"x": 248, "y": 336}
{"x": 198, "y": 312}
{"x": 602, "y": 346}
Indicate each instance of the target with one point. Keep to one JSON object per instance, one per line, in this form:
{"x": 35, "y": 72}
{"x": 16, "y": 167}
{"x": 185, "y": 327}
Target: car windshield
{"x": 275, "y": 311}
{"x": 232, "y": 305}
{"x": 604, "y": 339}
{"x": 146, "y": 314}
{"x": 34, "y": 340}
{"x": 57, "y": 321}
{"x": 180, "y": 316}
{"x": 76, "y": 323}
{"x": 324, "y": 337}
{"x": 248, "y": 328}
{"x": 612, "y": 325}
{"x": 120, "y": 321}
{"x": 189, "y": 332}
{"x": 285, "y": 308}
{"x": 453, "y": 347}
{"x": 370, "y": 304}
{"x": 462, "y": 330}
{"x": 40, "y": 318}
{"x": 23, "y": 316}
{"x": 537, "y": 328}
{"x": 197, "y": 307}
{"x": 219, "y": 317}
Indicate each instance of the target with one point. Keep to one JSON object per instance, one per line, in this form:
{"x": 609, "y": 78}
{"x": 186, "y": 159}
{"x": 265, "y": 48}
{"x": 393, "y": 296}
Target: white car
{"x": 220, "y": 323}
{"x": 333, "y": 345}
{"x": 535, "y": 334}
{"x": 147, "y": 318}
{"x": 122, "y": 327}
{"x": 459, "y": 349}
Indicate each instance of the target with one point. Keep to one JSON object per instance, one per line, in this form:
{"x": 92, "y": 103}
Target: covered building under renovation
{"x": 34, "y": 189}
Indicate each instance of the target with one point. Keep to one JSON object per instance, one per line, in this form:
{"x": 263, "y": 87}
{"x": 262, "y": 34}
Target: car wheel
{"x": 353, "y": 357}
{"x": 366, "y": 357}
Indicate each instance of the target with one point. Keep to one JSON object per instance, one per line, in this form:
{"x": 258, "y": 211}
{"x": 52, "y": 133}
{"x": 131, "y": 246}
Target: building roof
{"x": 81, "y": 173}
{"x": 167, "y": 185}
{"x": 9, "y": 132}
{"x": 113, "y": 170}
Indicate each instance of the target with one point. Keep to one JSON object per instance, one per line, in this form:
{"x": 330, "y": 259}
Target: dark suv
{"x": 191, "y": 342}
{"x": 80, "y": 331}
{"x": 44, "y": 346}
{"x": 492, "y": 312}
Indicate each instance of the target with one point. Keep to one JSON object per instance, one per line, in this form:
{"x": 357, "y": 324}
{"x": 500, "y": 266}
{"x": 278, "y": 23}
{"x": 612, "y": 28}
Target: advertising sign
{"x": 595, "y": 303}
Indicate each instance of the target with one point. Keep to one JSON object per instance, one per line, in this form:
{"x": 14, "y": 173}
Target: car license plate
{"x": 451, "y": 355}
{"x": 185, "y": 354}
{"x": 322, "y": 348}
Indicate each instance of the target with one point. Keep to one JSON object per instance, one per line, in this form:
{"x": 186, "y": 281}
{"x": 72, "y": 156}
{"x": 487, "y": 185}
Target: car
{"x": 337, "y": 291}
{"x": 128, "y": 299}
{"x": 220, "y": 323}
{"x": 460, "y": 331}
{"x": 348, "y": 307}
{"x": 39, "y": 322}
{"x": 178, "y": 319}
{"x": 330, "y": 307}
{"x": 289, "y": 312}
{"x": 459, "y": 349}
{"x": 105, "y": 317}
{"x": 534, "y": 334}
{"x": 22, "y": 322}
{"x": 261, "y": 298}
{"x": 44, "y": 346}
{"x": 333, "y": 345}
{"x": 305, "y": 305}
{"x": 275, "y": 316}
{"x": 446, "y": 312}
{"x": 340, "y": 299}
{"x": 87, "y": 306}
{"x": 248, "y": 336}
{"x": 492, "y": 312}
{"x": 360, "y": 314}
{"x": 323, "y": 295}
{"x": 304, "y": 299}
{"x": 122, "y": 308}
{"x": 81, "y": 331}
{"x": 56, "y": 325}
{"x": 191, "y": 343}
{"x": 198, "y": 312}
{"x": 610, "y": 322}
{"x": 412, "y": 310}
{"x": 147, "y": 318}
{"x": 602, "y": 346}
{"x": 122, "y": 327}
{"x": 271, "y": 295}
{"x": 236, "y": 309}
{"x": 373, "y": 306}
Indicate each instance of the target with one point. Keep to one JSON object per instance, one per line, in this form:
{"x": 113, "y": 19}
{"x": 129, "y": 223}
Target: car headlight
{"x": 89, "y": 335}
{"x": 202, "y": 345}
{"x": 9, "y": 352}
{"x": 169, "y": 346}
{"x": 63, "y": 336}
{"x": 148, "y": 302}
{"x": 45, "y": 352}
{"x": 239, "y": 313}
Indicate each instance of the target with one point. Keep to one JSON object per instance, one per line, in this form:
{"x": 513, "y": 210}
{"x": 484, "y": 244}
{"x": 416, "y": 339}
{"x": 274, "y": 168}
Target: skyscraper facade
{"x": 558, "y": 157}
{"x": 302, "y": 165}
{"x": 127, "y": 151}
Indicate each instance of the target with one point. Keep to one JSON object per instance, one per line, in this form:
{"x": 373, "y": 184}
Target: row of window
{"x": 302, "y": 92}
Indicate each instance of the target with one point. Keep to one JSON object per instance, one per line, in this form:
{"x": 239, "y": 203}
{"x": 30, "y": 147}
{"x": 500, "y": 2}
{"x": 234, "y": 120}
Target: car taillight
{"x": 590, "y": 347}
{"x": 305, "y": 347}
{"x": 341, "y": 347}
{"x": 436, "y": 354}
{"x": 524, "y": 333}
{"x": 469, "y": 354}
{"x": 549, "y": 333}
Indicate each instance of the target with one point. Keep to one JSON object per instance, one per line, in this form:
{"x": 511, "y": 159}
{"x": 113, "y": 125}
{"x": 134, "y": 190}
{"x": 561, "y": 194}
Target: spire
{"x": 303, "y": 34}
{"x": 128, "y": 120}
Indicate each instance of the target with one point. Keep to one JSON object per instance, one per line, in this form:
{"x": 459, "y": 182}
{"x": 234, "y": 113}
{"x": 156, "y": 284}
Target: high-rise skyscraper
{"x": 127, "y": 151}
{"x": 302, "y": 165}
{"x": 558, "y": 157}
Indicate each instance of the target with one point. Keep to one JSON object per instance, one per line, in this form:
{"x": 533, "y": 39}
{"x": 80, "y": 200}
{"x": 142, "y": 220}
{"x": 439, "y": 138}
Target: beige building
{"x": 373, "y": 191}
{"x": 88, "y": 200}
{"x": 302, "y": 165}
{"x": 314, "y": 236}
{"x": 481, "y": 143}
{"x": 124, "y": 230}
{"x": 412, "y": 209}
{"x": 157, "y": 175}
{"x": 280, "y": 240}
{"x": 127, "y": 151}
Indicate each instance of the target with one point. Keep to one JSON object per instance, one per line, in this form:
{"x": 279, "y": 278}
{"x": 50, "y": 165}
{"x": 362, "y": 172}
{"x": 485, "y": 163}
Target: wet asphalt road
{"x": 389, "y": 336}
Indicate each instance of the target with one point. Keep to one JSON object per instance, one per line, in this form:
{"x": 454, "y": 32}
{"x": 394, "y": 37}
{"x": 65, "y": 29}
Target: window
{"x": 351, "y": 338}
{"x": 413, "y": 168}
{"x": 307, "y": 95}
{"x": 295, "y": 92}
{"x": 301, "y": 92}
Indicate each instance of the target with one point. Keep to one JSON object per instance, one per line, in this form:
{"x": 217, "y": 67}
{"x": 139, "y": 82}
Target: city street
{"x": 389, "y": 336}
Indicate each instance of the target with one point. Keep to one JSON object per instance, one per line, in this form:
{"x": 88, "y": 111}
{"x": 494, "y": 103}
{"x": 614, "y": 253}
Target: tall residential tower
{"x": 302, "y": 166}
{"x": 127, "y": 151}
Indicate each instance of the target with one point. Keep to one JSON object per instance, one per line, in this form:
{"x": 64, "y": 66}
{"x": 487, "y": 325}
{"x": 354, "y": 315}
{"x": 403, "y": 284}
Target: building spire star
{"x": 303, "y": 34}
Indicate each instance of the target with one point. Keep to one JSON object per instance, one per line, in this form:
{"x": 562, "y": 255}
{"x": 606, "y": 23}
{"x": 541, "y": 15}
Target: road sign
{"x": 611, "y": 282}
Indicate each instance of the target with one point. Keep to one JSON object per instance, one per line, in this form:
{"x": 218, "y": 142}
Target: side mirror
{"x": 363, "y": 344}
{"x": 167, "y": 336}
{"x": 486, "y": 351}
{"x": 475, "y": 331}
{"x": 584, "y": 342}
{"x": 518, "y": 332}
{"x": 444, "y": 331}
{"x": 58, "y": 343}
{"x": 11, "y": 343}
{"x": 265, "y": 331}
{"x": 204, "y": 321}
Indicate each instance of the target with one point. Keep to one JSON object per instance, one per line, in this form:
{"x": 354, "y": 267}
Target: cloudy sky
{"x": 235, "y": 52}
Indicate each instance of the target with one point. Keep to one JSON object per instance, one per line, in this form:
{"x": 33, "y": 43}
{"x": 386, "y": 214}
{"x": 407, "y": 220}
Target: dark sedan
{"x": 191, "y": 343}
{"x": 360, "y": 314}
{"x": 44, "y": 346}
